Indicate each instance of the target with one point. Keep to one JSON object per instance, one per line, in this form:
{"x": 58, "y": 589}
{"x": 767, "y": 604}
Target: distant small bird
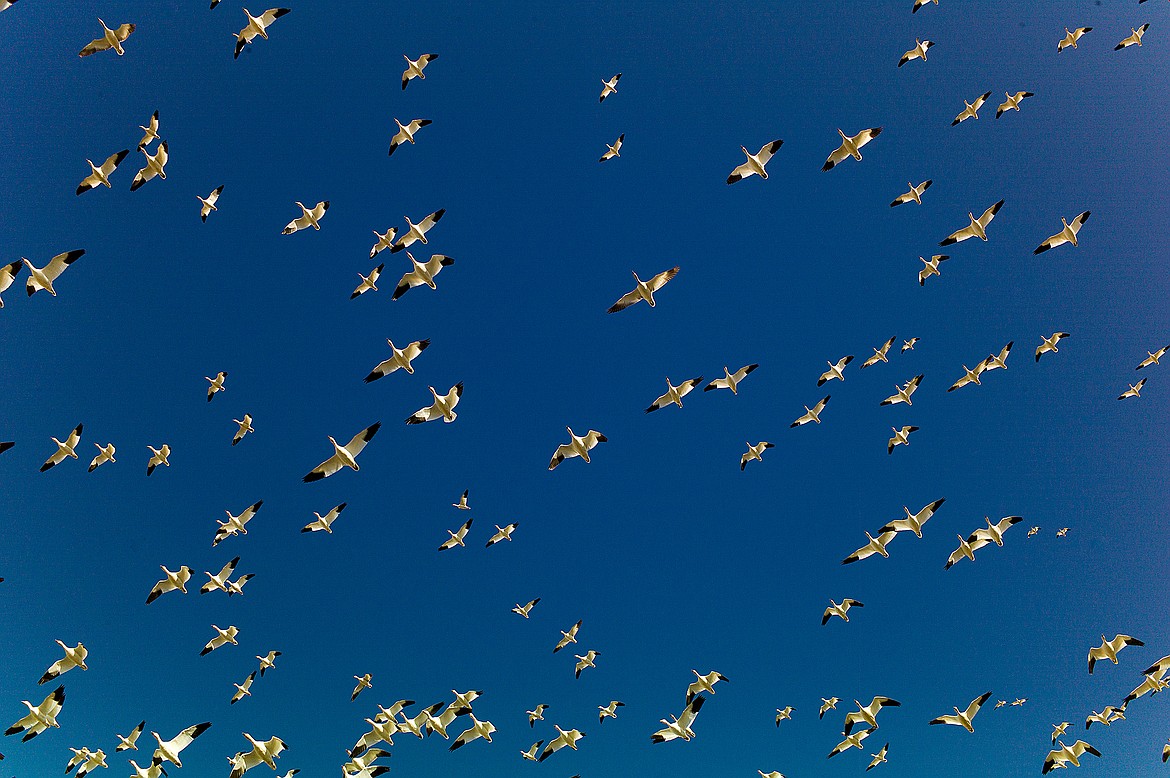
{"x": 256, "y": 26}
{"x": 208, "y": 203}
{"x": 930, "y": 267}
{"x": 536, "y": 714}
{"x": 879, "y": 757}
{"x": 222, "y": 638}
{"x": 422, "y": 273}
{"x": 755, "y": 452}
{"x": 969, "y": 377}
{"x": 113, "y": 39}
{"x": 155, "y": 165}
{"x": 216, "y": 384}
{"x": 1106, "y": 717}
{"x": 530, "y": 754}
{"x": 324, "y": 523}
{"x": 644, "y": 290}
{"x": 966, "y": 550}
{"x": 442, "y": 407}
{"x": 841, "y": 611}
{"x": 578, "y": 446}
{"x": 1001, "y": 704}
{"x": 586, "y": 661}
{"x": 812, "y": 414}
{"x": 65, "y": 448}
{"x": 908, "y": 345}
{"x": 236, "y": 525}
{"x": 731, "y": 380}
{"x": 1135, "y": 39}
{"x": 158, "y": 456}
{"x": 705, "y": 683}
{"x": 756, "y": 164}
{"x": 1067, "y": 235}
{"x": 914, "y": 195}
{"x": 609, "y": 87}
{"x": 1066, "y": 755}
{"x": 130, "y": 742}
{"x": 918, "y": 52}
{"x": 245, "y": 427}
{"x": 368, "y": 283}
{"x": 976, "y": 229}
{"x": 1012, "y": 103}
{"x": 243, "y": 689}
{"x": 502, "y": 533}
{"x": 1033, "y": 530}
{"x": 415, "y": 67}
{"x": 1071, "y": 38}
{"x": 310, "y": 217}
{"x": 850, "y": 741}
{"x": 914, "y": 522}
{"x": 268, "y": 661}
{"x": 964, "y": 718}
{"x": 850, "y": 147}
{"x": 971, "y": 111}
{"x": 836, "y": 370}
{"x": 1062, "y": 532}
{"x": 783, "y": 714}
{"x": 827, "y": 704}
{"x": 462, "y": 504}
{"x": 149, "y": 132}
{"x": 880, "y": 354}
{"x": 1049, "y": 344}
{"x": 42, "y": 278}
{"x": 568, "y": 637}
{"x": 1134, "y": 390}
{"x": 456, "y": 536}
{"x": 1018, "y": 701}
{"x": 674, "y": 394}
{"x": 344, "y": 456}
{"x": 903, "y": 393}
{"x": 1109, "y": 649}
{"x": 363, "y": 682}
{"x": 901, "y": 437}
{"x": 99, "y": 175}
{"x": 1058, "y": 730}
{"x": 401, "y": 359}
{"x": 74, "y": 657}
{"x": 998, "y": 361}
{"x": 614, "y": 149}
{"x": 406, "y": 133}
{"x": 525, "y": 609}
{"x": 176, "y": 581}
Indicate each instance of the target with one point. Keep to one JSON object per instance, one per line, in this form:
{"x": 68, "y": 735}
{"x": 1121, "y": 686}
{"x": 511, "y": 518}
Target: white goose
{"x": 154, "y": 770}
{"x": 1153, "y": 357}
{"x": 216, "y": 384}
{"x": 901, "y": 437}
{"x": 1071, "y": 37}
{"x": 502, "y": 533}
{"x": 755, "y": 452}
{"x": 65, "y": 449}
{"x": 443, "y": 406}
{"x": 310, "y": 217}
{"x": 879, "y": 757}
{"x": 42, "y": 278}
{"x": 840, "y": 611}
{"x": 363, "y": 682}
{"x": 478, "y": 729}
{"x": 406, "y": 133}
{"x": 456, "y": 536}
{"x": 1012, "y": 103}
{"x": 1067, "y": 234}
{"x": 1151, "y": 683}
{"x": 966, "y": 550}
{"x": 169, "y": 750}
{"x": 674, "y": 394}
{"x": 827, "y": 704}
{"x": 155, "y": 166}
{"x": 257, "y": 26}
{"x": 784, "y": 714}
{"x": 207, "y": 204}
{"x": 384, "y": 241}
{"x": 998, "y": 361}
{"x": 74, "y": 657}
{"x": 705, "y": 683}
{"x": 344, "y": 456}
{"x": 536, "y": 714}
{"x": 914, "y": 195}
{"x": 218, "y": 581}
{"x": 880, "y": 354}
{"x": 964, "y": 718}
{"x": 39, "y": 717}
{"x": 158, "y": 456}
{"x": 268, "y": 662}
{"x": 563, "y": 739}
{"x": 578, "y": 446}
{"x": 908, "y": 345}
{"x": 609, "y": 87}
{"x": 1135, "y": 39}
{"x": 416, "y": 233}
{"x": 976, "y": 229}
{"x": 1066, "y": 755}
{"x": 415, "y": 68}
{"x": 1058, "y": 731}
{"x": 99, "y": 175}
{"x": 525, "y": 609}
{"x": 244, "y": 427}
{"x": 243, "y": 689}
{"x": 903, "y": 393}
{"x": 8, "y": 275}
{"x": 756, "y": 164}
{"x": 835, "y": 371}
{"x": 919, "y": 3}
{"x": 971, "y": 111}
{"x": 400, "y": 359}
{"x": 918, "y": 52}
{"x": 614, "y": 149}
{"x": 850, "y": 741}
{"x": 221, "y": 639}
{"x": 1109, "y": 649}
{"x": 1134, "y": 390}
{"x": 176, "y": 581}
{"x": 111, "y": 39}
{"x": 263, "y": 752}
{"x": 680, "y": 726}
{"x": 731, "y": 380}
{"x": 812, "y": 414}
{"x": 874, "y": 546}
{"x": 149, "y": 132}
{"x": 130, "y": 742}
{"x": 568, "y": 637}
{"x": 368, "y": 283}
{"x": 324, "y": 523}
{"x": 588, "y": 660}
{"x": 1106, "y": 717}
{"x": 994, "y": 532}
{"x": 608, "y": 711}
{"x": 850, "y": 147}
{"x": 969, "y": 377}
{"x": 423, "y": 273}
{"x": 914, "y": 522}
{"x": 1049, "y": 344}
{"x": 930, "y": 267}
{"x": 644, "y": 291}
{"x": 530, "y": 754}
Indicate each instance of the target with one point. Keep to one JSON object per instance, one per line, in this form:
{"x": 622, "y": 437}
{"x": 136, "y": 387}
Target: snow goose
{"x": 756, "y": 164}
{"x": 971, "y": 111}
{"x": 1153, "y": 357}
{"x": 1058, "y": 731}
{"x": 243, "y": 689}
{"x": 478, "y": 729}
{"x": 608, "y": 711}
{"x": 169, "y": 750}
{"x": 502, "y": 533}
{"x": 880, "y": 354}
{"x": 368, "y": 283}
{"x": 74, "y": 657}
{"x": 344, "y": 456}
{"x": 40, "y": 717}
{"x": 1106, "y": 717}
{"x": 43, "y": 278}
{"x": 416, "y": 233}
{"x": 85, "y": 760}
{"x": 680, "y": 726}
{"x": 8, "y": 275}
{"x": 1134, "y": 390}
{"x": 237, "y": 586}
{"x": 310, "y": 217}
{"x": 874, "y": 546}
{"x": 153, "y": 771}
{"x": 536, "y": 714}
{"x": 363, "y": 682}
{"x": 220, "y": 579}
{"x": 1068, "y": 233}
{"x": 384, "y": 241}
{"x": 415, "y": 67}
{"x": 914, "y": 195}
{"x": 530, "y": 754}
{"x": 400, "y": 360}
{"x": 391, "y": 713}
{"x": 456, "y": 536}
{"x": 901, "y": 437}
{"x": 443, "y": 406}
{"x": 919, "y": 3}
{"x": 462, "y": 504}
{"x": 930, "y": 267}
{"x": 65, "y": 449}
{"x": 414, "y": 726}
{"x": 423, "y": 273}
{"x": 967, "y": 548}
{"x": 111, "y": 39}
{"x": 215, "y": 384}
{"x": 908, "y": 345}
{"x": 1033, "y": 530}
{"x": 578, "y": 446}
{"x": 914, "y": 522}
{"x": 324, "y": 523}
{"x": 380, "y": 732}
{"x": 256, "y": 26}
{"x": 1110, "y": 648}
{"x": 994, "y": 532}
{"x": 170, "y": 582}
{"x": 1066, "y": 755}
{"x": 828, "y": 704}
{"x": 245, "y": 427}
{"x": 879, "y": 757}
{"x": 221, "y": 639}
{"x": 903, "y": 393}
{"x": 406, "y": 133}
{"x": 976, "y": 229}
{"x": 1152, "y": 682}
{"x": 963, "y": 718}
{"x": 155, "y": 166}
{"x": 918, "y": 52}
{"x": 563, "y": 739}
{"x": 524, "y": 610}
{"x": 867, "y": 714}
{"x": 850, "y": 741}
{"x": 263, "y": 752}
{"x": 130, "y": 742}
{"x": 609, "y": 87}
{"x": 644, "y": 290}
{"x": 149, "y": 132}
{"x": 784, "y": 714}
{"x": 1062, "y": 532}
{"x": 1049, "y": 344}
{"x": 674, "y": 394}
{"x": 99, "y": 175}
{"x": 836, "y": 370}
{"x": 841, "y": 611}
{"x": 998, "y": 361}
{"x": 1134, "y": 39}
{"x": 207, "y": 204}
{"x": 812, "y": 414}
{"x": 969, "y": 377}
{"x": 850, "y": 147}
{"x": 1071, "y": 38}
{"x": 614, "y": 149}
{"x": 1012, "y": 103}
{"x": 235, "y": 524}
{"x": 731, "y": 380}
{"x": 268, "y": 661}
{"x": 755, "y": 452}
{"x": 568, "y": 637}
{"x": 705, "y": 683}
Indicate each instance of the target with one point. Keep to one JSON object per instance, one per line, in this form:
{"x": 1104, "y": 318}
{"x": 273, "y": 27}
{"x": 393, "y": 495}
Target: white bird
{"x": 384, "y": 241}
{"x": 1068, "y": 233}
{"x": 1110, "y": 648}
{"x": 836, "y": 370}
{"x": 680, "y": 726}
{"x": 1066, "y": 755}
{"x": 310, "y": 217}
{"x": 380, "y": 732}
{"x": 609, "y": 87}
{"x": 220, "y": 579}
{"x": 256, "y": 26}
{"x": 368, "y": 283}
{"x": 324, "y": 523}
{"x": 99, "y": 175}
{"x": 841, "y": 611}
{"x": 812, "y": 414}
{"x": 874, "y": 546}
{"x": 1049, "y": 344}
{"x": 263, "y": 752}
{"x": 783, "y": 714}
{"x": 406, "y": 133}
{"x": 74, "y": 657}
{"x": 850, "y": 146}
{"x": 918, "y": 52}
{"x": 111, "y": 39}
{"x": 1033, "y": 530}
{"x": 879, "y": 757}
{"x": 1106, "y": 717}
{"x": 755, "y": 452}
{"x": 827, "y": 704}
{"x": 39, "y": 717}
{"x": 344, "y": 456}
{"x": 880, "y": 354}
{"x": 478, "y": 729}
{"x": 1071, "y": 38}
{"x": 525, "y": 609}
{"x": 568, "y": 637}
{"x": 155, "y": 166}
{"x": 850, "y": 741}
{"x": 502, "y": 533}
{"x": 901, "y": 437}
{"x": 456, "y": 536}
{"x": 1153, "y": 357}
{"x": 243, "y": 689}
{"x": 705, "y": 683}
{"x": 149, "y": 132}
{"x": 1134, "y": 39}
{"x": 245, "y": 427}
{"x": 42, "y": 278}
{"x": 415, "y": 67}
{"x": 365, "y": 762}
{"x": 930, "y": 267}
{"x": 1062, "y": 532}
{"x": 462, "y": 504}
{"x": 971, "y": 111}
{"x": 976, "y": 229}
{"x": 674, "y": 394}
{"x": 644, "y": 290}
{"x": 442, "y": 407}
{"x": 422, "y": 273}
{"x": 363, "y": 682}
{"x": 1152, "y": 682}
{"x": 221, "y": 639}
{"x": 268, "y": 661}
{"x": 155, "y": 770}
{"x": 1058, "y": 731}
{"x": 208, "y": 203}
{"x": 216, "y": 384}
{"x": 1012, "y": 103}
{"x": 967, "y": 548}
{"x": 65, "y": 448}
{"x": 130, "y": 742}
{"x": 998, "y": 361}
{"x": 400, "y": 359}
{"x": 170, "y": 582}
{"x": 608, "y": 711}
{"x": 964, "y": 718}
{"x": 969, "y": 377}
{"x": 914, "y": 521}
{"x": 8, "y": 275}
{"x": 85, "y": 761}
{"x": 530, "y": 754}
{"x": 756, "y": 164}
{"x": 994, "y": 532}
{"x": 903, "y": 393}
{"x": 1134, "y": 390}
{"x": 914, "y": 195}
{"x": 564, "y": 738}
{"x": 237, "y": 586}
{"x": 235, "y": 524}
{"x": 867, "y": 714}
{"x": 416, "y": 233}
{"x": 576, "y": 447}
{"x": 614, "y": 149}
{"x": 536, "y": 714}
{"x": 731, "y": 380}
{"x": 169, "y": 750}
{"x": 908, "y": 345}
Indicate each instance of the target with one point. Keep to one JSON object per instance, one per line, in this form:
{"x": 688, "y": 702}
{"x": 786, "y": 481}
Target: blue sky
{"x": 673, "y": 558}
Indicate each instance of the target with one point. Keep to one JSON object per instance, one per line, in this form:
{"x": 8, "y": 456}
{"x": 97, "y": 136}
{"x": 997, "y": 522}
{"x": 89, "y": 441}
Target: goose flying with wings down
{"x": 130, "y": 742}
{"x": 705, "y": 683}
{"x": 608, "y": 711}
{"x": 1071, "y": 38}
{"x": 415, "y": 68}
{"x": 417, "y": 232}
{"x": 39, "y": 717}
{"x": 827, "y": 704}
{"x": 680, "y": 726}
{"x": 901, "y": 437}
{"x": 1134, "y": 390}
{"x": 443, "y": 406}
{"x": 215, "y": 384}
{"x": 406, "y": 133}
{"x": 1151, "y": 683}
{"x": 235, "y": 525}
{"x": 310, "y": 217}
{"x": 880, "y": 354}
{"x": 422, "y": 273}
{"x": 836, "y": 370}
{"x": 998, "y": 361}
{"x": 756, "y": 164}
{"x": 176, "y": 581}
{"x": 363, "y": 682}
{"x": 462, "y": 504}
{"x": 994, "y": 532}
{"x": 256, "y": 26}
{"x": 874, "y": 546}
{"x": 976, "y": 229}
{"x": 578, "y": 446}
{"x": 111, "y": 39}
{"x": 155, "y": 166}
{"x": 609, "y": 87}
{"x": 971, "y": 111}
{"x": 914, "y": 195}
{"x": 614, "y": 149}
{"x": 969, "y": 377}
{"x": 169, "y": 750}
{"x": 840, "y": 611}
{"x": 1106, "y": 717}
{"x": 568, "y": 637}
{"x": 1153, "y": 357}
{"x": 385, "y": 241}
{"x": 243, "y": 689}
{"x": 74, "y": 657}
{"x": 368, "y": 283}
{"x": 1066, "y": 755}
{"x": 502, "y": 533}
{"x": 526, "y": 608}
{"x": 149, "y": 132}
{"x": 536, "y": 714}
{"x": 879, "y": 757}
{"x": 644, "y": 290}
{"x": 585, "y": 661}
{"x": 755, "y": 452}
{"x": 244, "y": 427}
{"x": 1109, "y": 649}
{"x": 478, "y": 729}
{"x": 221, "y": 639}
{"x": 930, "y": 267}
{"x": 530, "y": 754}
{"x": 967, "y": 548}
{"x": 964, "y": 718}
{"x": 1049, "y": 344}
{"x": 65, "y": 448}
{"x": 42, "y": 278}
{"x": 8, "y": 275}
{"x": 903, "y": 393}
{"x": 850, "y": 147}
{"x": 918, "y": 52}
{"x": 268, "y": 661}
{"x": 674, "y": 394}
{"x": 263, "y": 752}
{"x": 207, "y": 204}
{"x": 1012, "y": 103}
{"x": 850, "y": 741}
{"x": 1068, "y": 233}
{"x": 812, "y": 414}
{"x": 783, "y": 714}
{"x": 914, "y": 522}
{"x": 344, "y": 456}
{"x": 1134, "y": 39}
{"x": 564, "y": 738}
{"x": 731, "y": 380}
{"x": 324, "y": 523}
{"x": 219, "y": 580}
{"x": 456, "y": 536}
{"x": 1058, "y": 731}
{"x": 99, "y": 175}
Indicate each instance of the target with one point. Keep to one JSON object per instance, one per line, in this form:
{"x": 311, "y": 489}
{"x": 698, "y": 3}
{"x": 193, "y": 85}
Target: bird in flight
{"x": 65, "y": 449}
{"x": 914, "y": 522}
{"x": 1109, "y": 649}
{"x": 442, "y": 407}
{"x": 1012, "y": 103}
{"x": 207, "y": 204}
{"x": 110, "y": 39}
{"x": 679, "y": 727}
{"x": 964, "y": 718}
{"x": 42, "y": 278}
{"x": 874, "y": 546}
{"x": 99, "y": 175}
{"x": 324, "y": 523}
{"x": 1134, "y": 390}
{"x": 421, "y": 273}
{"x": 850, "y": 147}
{"x": 880, "y": 354}
{"x": 914, "y": 195}
{"x": 1049, "y": 344}
{"x": 1068, "y": 233}
{"x": 609, "y": 87}
{"x": 525, "y": 609}
{"x": 812, "y": 414}
{"x": 406, "y": 133}
{"x": 841, "y": 611}
{"x": 368, "y": 283}
{"x": 343, "y": 456}
{"x": 456, "y": 536}
{"x": 415, "y": 68}
{"x": 836, "y": 370}
{"x": 901, "y": 437}
{"x": 215, "y": 384}
{"x": 976, "y": 229}
{"x": 40, "y": 717}
{"x": 918, "y": 52}
{"x": 971, "y": 111}
{"x": 256, "y": 26}
{"x": 310, "y": 217}
{"x": 1135, "y": 38}
{"x": 1066, "y": 755}
{"x": 244, "y": 427}
{"x": 903, "y": 393}
{"x": 731, "y": 380}
{"x": 755, "y": 452}
{"x": 644, "y": 290}
{"x": 930, "y": 267}
{"x": 155, "y": 166}
{"x": 674, "y": 394}
{"x": 578, "y": 446}
{"x": 1071, "y": 38}
{"x": 614, "y": 149}
{"x": 756, "y": 164}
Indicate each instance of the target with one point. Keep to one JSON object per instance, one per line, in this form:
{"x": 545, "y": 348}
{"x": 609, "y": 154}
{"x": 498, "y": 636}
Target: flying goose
{"x": 1153, "y": 357}
{"x": 368, "y": 283}
{"x": 363, "y": 682}
{"x": 8, "y": 275}
{"x": 478, "y": 729}
{"x": 263, "y": 752}
{"x": 1049, "y": 344}
{"x": 39, "y": 717}
{"x": 755, "y": 452}
{"x": 568, "y": 637}
{"x": 422, "y": 273}
{"x": 576, "y": 447}
{"x": 1062, "y": 532}
{"x": 756, "y": 164}
{"x": 879, "y": 757}
{"x": 310, "y": 217}
{"x": 841, "y": 611}
{"x": 1135, "y": 38}
{"x": 462, "y": 504}
{"x": 901, "y": 437}
{"x": 963, "y": 718}
{"x": 874, "y": 546}
{"x": 256, "y": 26}
{"x": 169, "y": 750}
{"x": 850, "y": 741}
{"x": 1110, "y": 648}
{"x": 415, "y": 726}
{"x": 155, "y": 166}
{"x": 1066, "y": 755}
{"x": 562, "y": 740}
{"x": 245, "y": 427}
{"x": 130, "y": 742}
{"x": 1033, "y": 530}
{"x": 850, "y": 147}
{"x": 903, "y": 393}
{"x": 914, "y": 522}
{"x": 235, "y": 524}
{"x": 64, "y": 449}
{"x": 1135, "y": 390}
{"x": 880, "y": 354}
{"x": 268, "y": 661}
{"x": 113, "y": 39}
{"x": 1017, "y": 702}
{"x": 608, "y": 711}
{"x": 502, "y": 533}
{"x": 1071, "y": 38}
{"x": 1106, "y": 717}
{"x": 100, "y": 174}
{"x": 536, "y": 714}
{"x": 613, "y": 150}
{"x": 705, "y": 683}
{"x": 417, "y": 232}
{"x": 149, "y": 132}
{"x": 1068, "y": 233}
{"x": 680, "y": 726}
{"x": 812, "y": 414}
{"x": 43, "y": 278}
{"x": 74, "y": 657}
{"x": 731, "y": 380}
{"x": 1152, "y": 682}
{"x": 415, "y": 67}
{"x": 908, "y": 345}
{"x": 835, "y": 370}
{"x": 1001, "y": 704}
{"x": 530, "y": 754}
{"x": 324, "y": 523}
{"x": 773, "y": 774}
{"x": 1012, "y": 103}
{"x": 998, "y": 361}
{"x": 406, "y": 133}
{"x": 585, "y": 661}
{"x": 919, "y": 3}
{"x": 609, "y": 87}
{"x": 930, "y": 267}
{"x": 1058, "y": 731}
{"x": 525, "y": 609}
{"x": 237, "y": 586}
{"x": 443, "y": 406}
{"x": 783, "y": 714}
{"x": 976, "y": 229}
{"x": 456, "y": 536}
{"x": 674, "y": 394}
{"x": 967, "y": 548}
{"x": 828, "y": 704}
{"x": 380, "y": 732}
{"x": 390, "y": 714}
{"x": 344, "y": 456}
{"x": 153, "y": 771}
{"x": 243, "y": 689}
{"x": 208, "y": 203}
{"x": 918, "y": 52}
{"x": 644, "y": 290}
{"x": 994, "y": 532}
{"x": 221, "y": 639}
{"x": 384, "y": 241}
{"x": 969, "y": 377}
{"x": 912, "y": 196}
{"x": 972, "y": 109}
{"x": 364, "y": 762}
{"x": 216, "y": 384}
{"x": 170, "y": 582}
{"x": 220, "y": 579}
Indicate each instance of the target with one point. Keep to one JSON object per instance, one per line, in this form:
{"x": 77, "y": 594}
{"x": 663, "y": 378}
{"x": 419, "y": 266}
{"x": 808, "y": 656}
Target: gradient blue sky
{"x": 673, "y": 558}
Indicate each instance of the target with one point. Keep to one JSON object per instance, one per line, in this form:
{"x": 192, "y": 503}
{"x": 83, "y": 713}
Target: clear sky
{"x": 673, "y": 558}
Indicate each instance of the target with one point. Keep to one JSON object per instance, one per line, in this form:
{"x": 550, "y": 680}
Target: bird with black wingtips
{"x": 105, "y": 454}
{"x": 40, "y": 717}
{"x": 111, "y": 39}
{"x": 913, "y": 195}
{"x": 1066, "y": 755}
{"x": 674, "y": 394}
{"x": 441, "y": 407}
{"x": 998, "y": 361}
{"x": 568, "y": 637}
{"x": 65, "y": 449}
{"x": 422, "y": 273}
{"x": 880, "y": 354}
{"x": 1134, "y": 390}
{"x": 74, "y": 657}
{"x": 244, "y": 427}
{"x": 310, "y": 217}
{"x": 964, "y": 718}
{"x": 130, "y": 742}
{"x": 874, "y": 546}
{"x": 1153, "y": 357}
{"x": 158, "y": 456}
{"x": 525, "y": 609}
{"x": 679, "y": 727}
{"x": 644, "y": 290}
{"x": 756, "y": 164}
{"x": 42, "y": 278}
{"x": 1071, "y": 37}
{"x": 368, "y": 283}
{"x": 502, "y": 533}
{"x": 1109, "y": 649}
{"x": 812, "y": 414}
{"x": 563, "y": 739}
{"x": 850, "y": 147}
{"x": 207, "y": 204}
{"x": 219, "y": 580}
{"x": 914, "y": 522}
{"x": 1012, "y": 103}
{"x": 841, "y": 610}
{"x": 99, "y": 175}
{"x": 1067, "y": 234}
{"x": 976, "y": 229}
{"x": 578, "y": 446}
{"x": 456, "y": 537}
{"x": 172, "y": 581}
{"x": 1049, "y": 344}
{"x": 344, "y": 456}
{"x": 918, "y": 52}
{"x": 731, "y": 380}
{"x": 1135, "y": 38}
{"x": 879, "y": 757}
{"x": 901, "y": 437}
{"x": 406, "y": 133}
{"x": 149, "y": 132}
{"x": 835, "y": 371}
{"x": 609, "y": 87}
{"x": 243, "y": 689}
{"x": 754, "y": 452}
{"x": 256, "y": 26}
{"x": 608, "y": 711}
{"x": 415, "y": 67}
{"x": 971, "y": 111}
{"x": 904, "y": 393}
{"x": 324, "y": 523}
{"x": 613, "y": 149}
{"x": 588, "y": 660}
{"x": 222, "y": 638}
{"x": 400, "y": 359}
{"x": 8, "y": 275}
{"x": 867, "y": 714}
{"x": 216, "y": 384}
{"x": 154, "y": 166}
{"x": 970, "y": 376}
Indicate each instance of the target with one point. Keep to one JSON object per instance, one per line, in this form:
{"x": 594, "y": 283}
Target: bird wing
{"x": 625, "y": 301}
{"x": 58, "y": 264}
{"x": 989, "y": 214}
{"x": 768, "y": 150}
{"x": 271, "y": 15}
{"x": 325, "y": 469}
{"x": 660, "y": 280}
{"x": 958, "y": 236}
{"x": 740, "y": 172}
{"x": 975, "y": 705}
{"x": 839, "y": 154}
{"x": 865, "y": 136}
{"x": 359, "y": 441}
{"x": 94, "y": 46}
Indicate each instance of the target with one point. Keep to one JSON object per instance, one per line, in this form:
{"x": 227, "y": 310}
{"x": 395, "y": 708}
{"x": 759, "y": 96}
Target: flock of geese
{"x": 456, "y": 718}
